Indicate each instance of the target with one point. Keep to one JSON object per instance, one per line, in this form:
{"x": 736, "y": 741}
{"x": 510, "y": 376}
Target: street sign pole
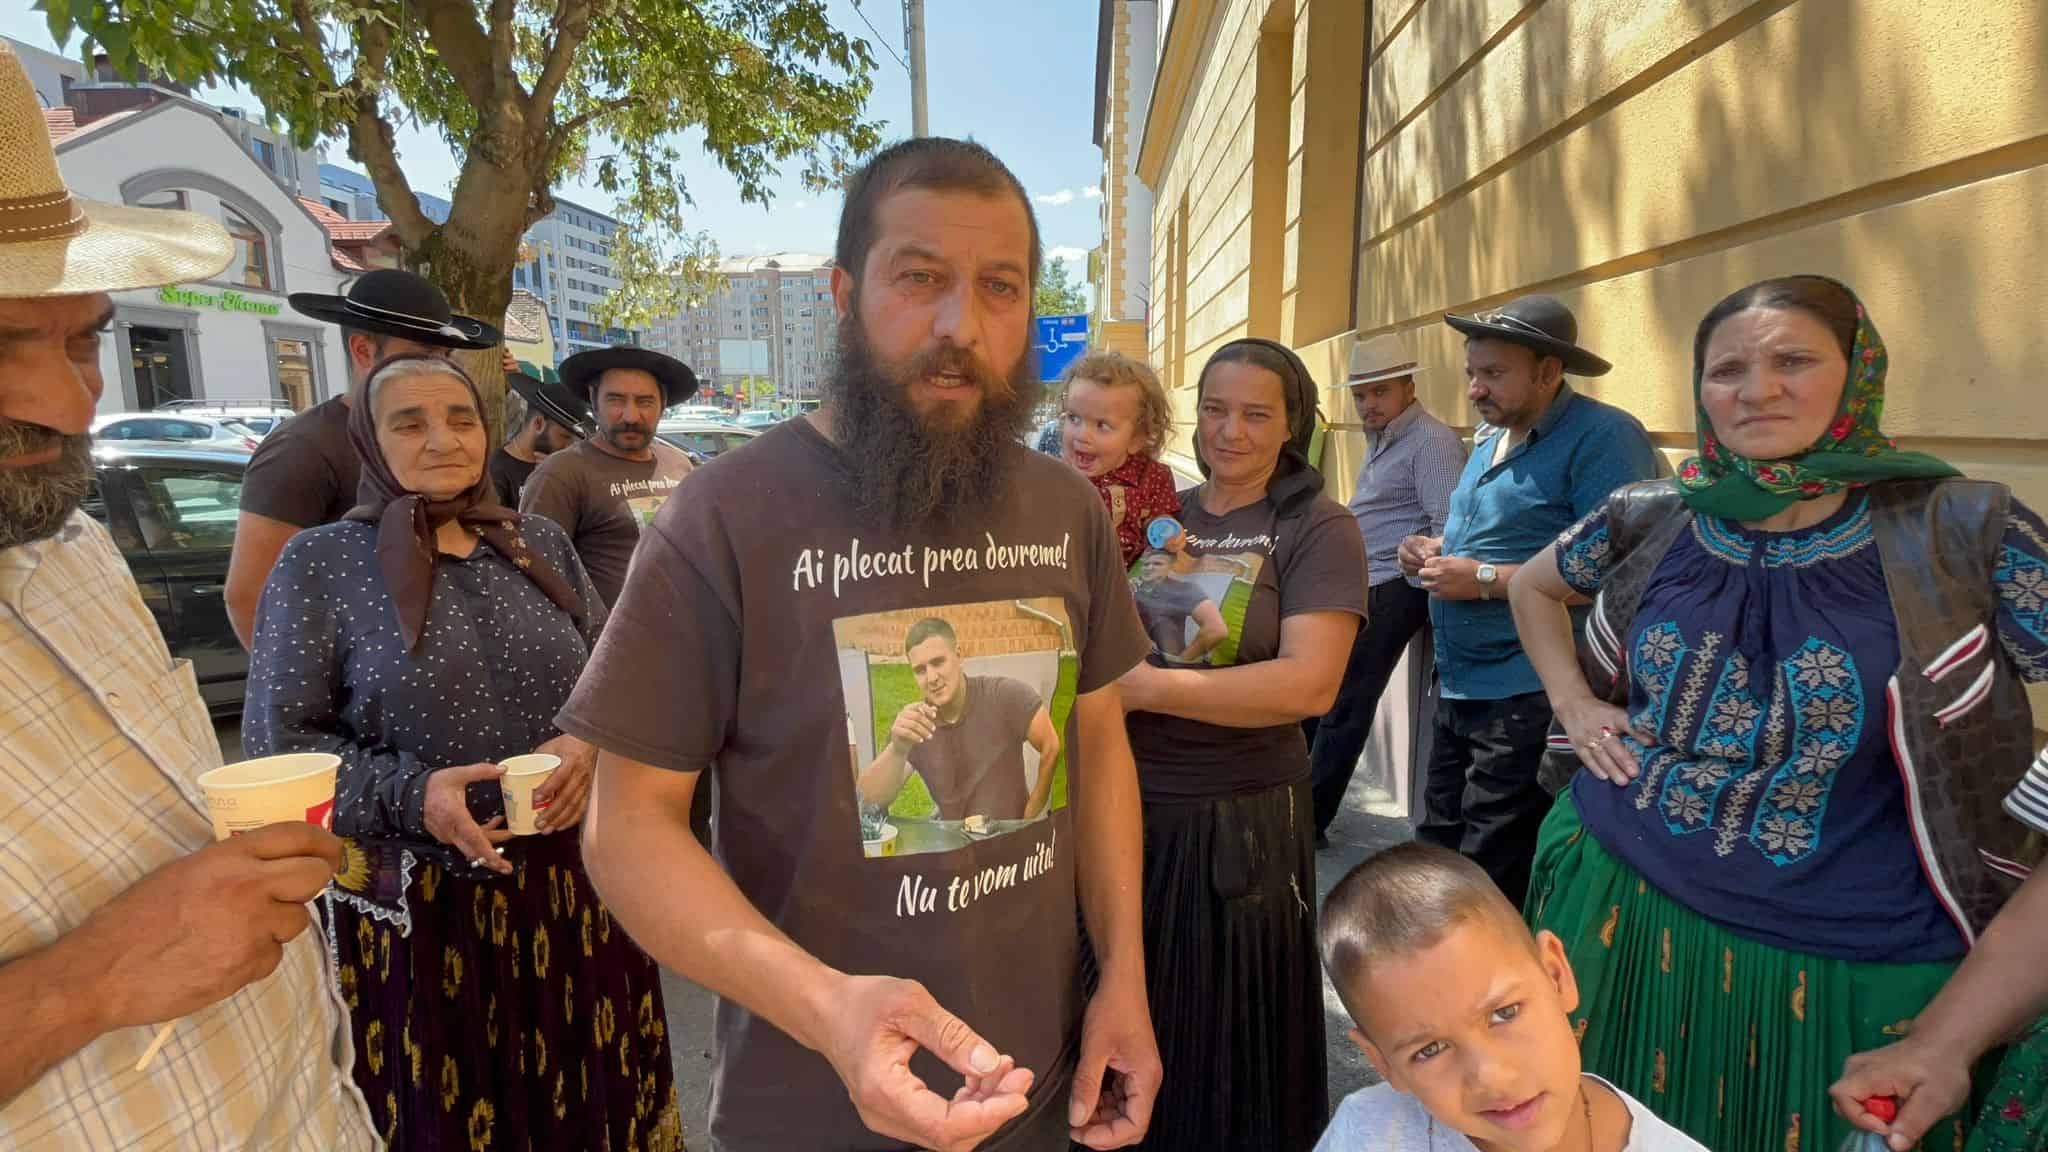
{"x": 913, "y": 36}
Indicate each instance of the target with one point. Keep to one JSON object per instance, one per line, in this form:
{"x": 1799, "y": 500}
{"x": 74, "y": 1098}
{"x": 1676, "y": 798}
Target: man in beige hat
{"x": 1411, "y": 467}
{"x": 117, "y": 910}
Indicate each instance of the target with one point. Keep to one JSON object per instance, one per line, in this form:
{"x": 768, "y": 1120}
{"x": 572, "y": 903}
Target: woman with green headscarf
{"x": 1799, "y": 708}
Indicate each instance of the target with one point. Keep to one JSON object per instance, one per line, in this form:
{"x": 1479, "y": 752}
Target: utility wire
{"x": 879, "y": 38}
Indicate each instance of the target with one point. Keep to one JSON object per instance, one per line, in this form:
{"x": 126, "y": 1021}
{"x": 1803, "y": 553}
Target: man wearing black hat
{"x": 1543, "y": 457}
{"x": 304, "y": 474}
{"x": 545, "y": 418}
{"x": 604, "y": 490}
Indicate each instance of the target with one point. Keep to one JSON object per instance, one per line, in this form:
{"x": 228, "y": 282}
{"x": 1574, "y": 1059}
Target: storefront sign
{"x": 227, "y": 301}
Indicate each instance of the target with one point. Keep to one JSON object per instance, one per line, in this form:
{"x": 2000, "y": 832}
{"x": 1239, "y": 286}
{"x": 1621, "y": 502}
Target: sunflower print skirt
{"x": 517, "y": 1016}
{"x": 1736, "y": 1042}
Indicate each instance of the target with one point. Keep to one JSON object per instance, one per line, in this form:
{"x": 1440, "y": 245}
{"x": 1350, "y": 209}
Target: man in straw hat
{"x": 305, "y": 473}
{"x": 1544, "y": 457}
{"x": 604, "y": 490}
{"x": 1404, "y": 489}
{"x": 117, "y": 910}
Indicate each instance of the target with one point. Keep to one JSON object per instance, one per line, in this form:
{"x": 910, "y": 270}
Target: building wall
{"x": 1124, "y": 287}
{"x": 1638, "y": 158}
{"x": 232, "y": 347}
{"x": 782, "y": 304}
{"x": 572, "y": 271}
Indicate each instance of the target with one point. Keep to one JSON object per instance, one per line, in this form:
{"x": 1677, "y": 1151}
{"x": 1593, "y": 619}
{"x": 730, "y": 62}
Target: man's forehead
{"x": 57, "y": 314}
{"x": 955, "y": 224}
{"x": 629, "y": 381}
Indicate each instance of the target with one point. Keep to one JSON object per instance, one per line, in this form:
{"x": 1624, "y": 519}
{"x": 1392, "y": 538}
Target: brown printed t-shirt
{"x": 762, "y": 639}
{"x": 305, "y": 472}
{"x": 1258, "y": 569}
{"x": 975, "y": 766}
{"x": 602, "y": 502}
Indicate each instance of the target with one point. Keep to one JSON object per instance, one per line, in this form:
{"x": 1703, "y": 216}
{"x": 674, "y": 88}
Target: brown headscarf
{"x": 407, "y": 521}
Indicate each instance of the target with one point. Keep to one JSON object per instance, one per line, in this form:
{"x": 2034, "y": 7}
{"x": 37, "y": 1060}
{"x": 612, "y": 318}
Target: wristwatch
{"x": 1486, "y": 576}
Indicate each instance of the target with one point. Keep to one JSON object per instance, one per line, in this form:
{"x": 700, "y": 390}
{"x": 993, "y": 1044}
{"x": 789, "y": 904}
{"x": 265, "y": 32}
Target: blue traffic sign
{"x": 1059, "y": 340}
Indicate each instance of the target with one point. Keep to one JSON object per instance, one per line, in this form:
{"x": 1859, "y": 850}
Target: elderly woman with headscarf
{"x": 423, "y": 639}
{"x": 1801, "y": 718}
{"x": 1229, "y": 829}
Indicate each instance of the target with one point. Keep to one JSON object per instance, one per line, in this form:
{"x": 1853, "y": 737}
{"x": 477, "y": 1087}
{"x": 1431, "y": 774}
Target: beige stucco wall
{"x": 1639, "y": 159}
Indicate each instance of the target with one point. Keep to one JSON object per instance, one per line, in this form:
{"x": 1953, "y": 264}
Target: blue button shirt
{"x": 1505, "y": 513}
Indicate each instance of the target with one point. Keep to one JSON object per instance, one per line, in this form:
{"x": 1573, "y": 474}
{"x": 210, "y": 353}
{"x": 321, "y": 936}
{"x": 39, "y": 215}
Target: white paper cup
{"x": 272, "y": 790}
{"x": 883, "y": 845}
{"x": 522, "y": 775}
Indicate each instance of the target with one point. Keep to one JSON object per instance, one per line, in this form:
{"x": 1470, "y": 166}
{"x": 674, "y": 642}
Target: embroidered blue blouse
{"x": 1769, "y": 801}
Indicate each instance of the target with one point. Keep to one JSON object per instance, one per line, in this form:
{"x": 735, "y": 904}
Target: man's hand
{"x": 202, "y": 927}
{"x": 1141, "y": 686}
{"x": 881, "y": 1023}
{"x": 1928, "y": 1085}
{"x": 1417, "y": 549}
{"x": 567, "y": 790}
{"x": 1451, "y": 577}
{"x": 914, "y": 725}
{"x": 448, "y": 819}
{"x": 511, "y": 362}
{"x": 1117, "y": 1080}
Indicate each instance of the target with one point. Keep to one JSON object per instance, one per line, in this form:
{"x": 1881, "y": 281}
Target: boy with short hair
{"x": 1467, "y": 1016}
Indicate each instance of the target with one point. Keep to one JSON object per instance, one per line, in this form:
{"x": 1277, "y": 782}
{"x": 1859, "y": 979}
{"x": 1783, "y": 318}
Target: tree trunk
{"x": 472, "y": 256}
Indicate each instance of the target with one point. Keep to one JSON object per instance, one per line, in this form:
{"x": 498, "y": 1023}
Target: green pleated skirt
{"x": 1736, "y": 1042}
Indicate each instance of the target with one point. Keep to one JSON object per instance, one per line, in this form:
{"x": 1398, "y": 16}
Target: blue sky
{"x": 1018, "y": 77}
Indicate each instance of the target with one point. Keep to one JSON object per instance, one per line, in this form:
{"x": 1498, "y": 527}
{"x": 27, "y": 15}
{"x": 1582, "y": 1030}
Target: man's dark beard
{"x": 911, "y": 473}
{"x": 37, "y": 500}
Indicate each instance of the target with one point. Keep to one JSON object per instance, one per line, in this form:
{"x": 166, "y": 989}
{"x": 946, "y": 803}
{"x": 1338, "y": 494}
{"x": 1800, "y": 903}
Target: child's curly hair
{"x": 1116, "y": 370}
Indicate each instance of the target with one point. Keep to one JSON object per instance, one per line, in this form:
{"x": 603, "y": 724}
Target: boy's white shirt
{"x": 1382, "y": 1118}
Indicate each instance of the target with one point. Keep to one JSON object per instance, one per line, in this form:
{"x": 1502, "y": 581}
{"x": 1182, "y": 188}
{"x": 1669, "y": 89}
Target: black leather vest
{"x": 1958, "y": 718}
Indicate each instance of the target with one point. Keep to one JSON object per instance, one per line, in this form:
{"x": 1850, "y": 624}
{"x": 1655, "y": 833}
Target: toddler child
{"x": 1114, "y": 419}
{"x": 1467, "y": 1016}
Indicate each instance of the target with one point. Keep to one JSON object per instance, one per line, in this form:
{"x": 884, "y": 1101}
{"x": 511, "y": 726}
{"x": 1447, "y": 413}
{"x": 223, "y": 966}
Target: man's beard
{"x": 913, "y": 471}
{"x": 36, "y": 501}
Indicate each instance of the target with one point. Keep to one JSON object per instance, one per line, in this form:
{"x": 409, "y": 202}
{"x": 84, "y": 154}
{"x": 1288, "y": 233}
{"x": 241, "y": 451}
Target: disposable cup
{"x": 271, "y": 790}
{"x": 882, "y": 845}
{"x": 522, "y": 775}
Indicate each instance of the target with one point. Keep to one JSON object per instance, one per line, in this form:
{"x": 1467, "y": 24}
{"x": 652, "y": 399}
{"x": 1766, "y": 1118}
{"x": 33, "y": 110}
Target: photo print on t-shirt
{"x": 1193, "y": 606}
{"x": 955, "y": 720}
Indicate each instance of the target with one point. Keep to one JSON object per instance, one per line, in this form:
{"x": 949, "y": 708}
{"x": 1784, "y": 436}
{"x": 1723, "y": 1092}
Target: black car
{"x": 171, "y": 508}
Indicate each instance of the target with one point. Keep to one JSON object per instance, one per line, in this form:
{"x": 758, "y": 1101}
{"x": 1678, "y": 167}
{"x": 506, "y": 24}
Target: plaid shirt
{"x": 102, "y": 738}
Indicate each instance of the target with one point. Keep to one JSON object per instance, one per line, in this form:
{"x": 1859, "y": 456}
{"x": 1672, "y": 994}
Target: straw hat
{"x": 1379, "y": 358}
{"x": 55, "y": 244}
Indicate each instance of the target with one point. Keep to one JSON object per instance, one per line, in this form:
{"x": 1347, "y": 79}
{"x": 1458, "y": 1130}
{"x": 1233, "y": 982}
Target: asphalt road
{"x": 1354, "y": 836}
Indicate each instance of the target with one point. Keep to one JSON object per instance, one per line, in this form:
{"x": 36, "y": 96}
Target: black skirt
{"x": 1236, "y": 987}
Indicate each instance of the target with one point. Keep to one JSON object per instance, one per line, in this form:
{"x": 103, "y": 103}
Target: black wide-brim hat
{"x": 394, "y": 302}
{"x": 1539, "y": 322}
{"x": 551, "y": 398}
{"x": 581, "y": 372}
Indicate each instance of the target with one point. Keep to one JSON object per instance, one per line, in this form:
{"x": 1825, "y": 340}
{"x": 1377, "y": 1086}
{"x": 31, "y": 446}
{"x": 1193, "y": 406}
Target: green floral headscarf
{"x": 1854, "y": 451}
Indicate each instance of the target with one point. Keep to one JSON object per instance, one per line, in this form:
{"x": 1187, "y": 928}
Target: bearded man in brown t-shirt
{"x": 759, "y": 641}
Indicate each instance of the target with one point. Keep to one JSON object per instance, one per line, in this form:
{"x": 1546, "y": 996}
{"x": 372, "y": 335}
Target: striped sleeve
{"x": 2022, "y": 580}
{"x": 2028, "y": 803}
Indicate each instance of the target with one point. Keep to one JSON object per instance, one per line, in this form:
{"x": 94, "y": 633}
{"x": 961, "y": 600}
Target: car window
{"x": 702, "y": 443}
{"x": 188, "y": 507}
{"x": 185, "y": 430}
{"x": 260, "y": 425}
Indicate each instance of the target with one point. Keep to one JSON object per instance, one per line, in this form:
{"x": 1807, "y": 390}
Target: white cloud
{"x": 800, "y": 205}
{"x": 1092, "y": 192}
{"x": 1075, "y": 257}
{"x": 1056, "y": 199}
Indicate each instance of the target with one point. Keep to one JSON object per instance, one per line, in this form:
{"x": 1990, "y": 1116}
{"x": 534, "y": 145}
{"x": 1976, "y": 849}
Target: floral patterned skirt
{"x": 517, "y": 1015}
{"x": 1736, "y": 1042}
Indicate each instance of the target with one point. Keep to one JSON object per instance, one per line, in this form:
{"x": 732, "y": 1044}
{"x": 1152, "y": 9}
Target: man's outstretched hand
{"x": 881, "y": 1023}
{"x": 1117, "y": 1081}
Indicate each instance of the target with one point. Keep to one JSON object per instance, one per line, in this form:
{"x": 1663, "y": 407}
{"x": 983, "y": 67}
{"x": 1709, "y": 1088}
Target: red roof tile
{"x": 61, "y": 122}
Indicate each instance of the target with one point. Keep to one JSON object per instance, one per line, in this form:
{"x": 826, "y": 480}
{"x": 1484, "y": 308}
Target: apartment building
{"x": 772, "y": 321}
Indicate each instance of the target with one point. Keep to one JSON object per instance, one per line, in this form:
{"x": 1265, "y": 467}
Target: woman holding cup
{"x": 427, "y": 640}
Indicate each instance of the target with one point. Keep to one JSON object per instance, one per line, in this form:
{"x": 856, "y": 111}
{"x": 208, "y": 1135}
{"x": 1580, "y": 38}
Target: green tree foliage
{"x": 526, "y": 93}
{"x": 1059, "y": 293}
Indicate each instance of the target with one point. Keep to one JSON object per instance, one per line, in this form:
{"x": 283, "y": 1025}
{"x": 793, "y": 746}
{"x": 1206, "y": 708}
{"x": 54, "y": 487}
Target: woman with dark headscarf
{"x": 424, "y": 639}
{"x": 1801, "y": 715}
{"x": 1229, "y": 830}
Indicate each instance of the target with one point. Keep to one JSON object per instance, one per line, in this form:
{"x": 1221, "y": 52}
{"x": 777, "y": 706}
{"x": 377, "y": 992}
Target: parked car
{"x": 171, "y": 509}
{"x": 704, "y": 439}
{"x": 759, "y": 419}
{"x": 710, "y": 412}
{"x": 174, "y": 426}
{"x": 259, "y": 416}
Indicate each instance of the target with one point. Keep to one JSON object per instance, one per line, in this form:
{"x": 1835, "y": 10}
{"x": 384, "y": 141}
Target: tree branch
{"x": 572, "y": 25}
{"x": 463, "y": 48}
{"x": 579, "y": 123}
{"x": 502, "y": 33}
{"x": 315, "y": 60}
{"x": 369, "y": 141}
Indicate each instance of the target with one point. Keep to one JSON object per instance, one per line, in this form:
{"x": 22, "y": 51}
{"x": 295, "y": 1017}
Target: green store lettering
{"x": 228, "y": 301}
